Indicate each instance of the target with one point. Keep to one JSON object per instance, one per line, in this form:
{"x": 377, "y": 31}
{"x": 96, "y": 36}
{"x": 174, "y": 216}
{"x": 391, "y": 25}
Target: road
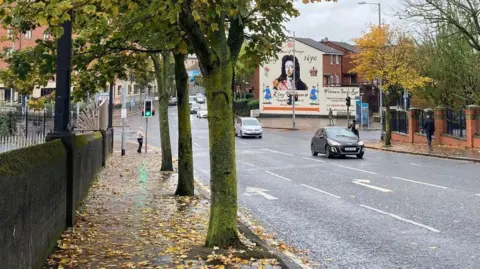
{"x": 386, "y": 211}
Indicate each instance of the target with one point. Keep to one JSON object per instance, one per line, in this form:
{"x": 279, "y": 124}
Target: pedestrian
{"x": 140, "y": 139}
{"x": 330, "y": 118}
{"x": 354, "y": 128}
{"x": 429, "y": 130}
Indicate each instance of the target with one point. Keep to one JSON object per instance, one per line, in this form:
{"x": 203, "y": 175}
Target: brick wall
{"x": 26, "y": 40}
{"x": 331, "y": 69}
{"x": 32, "y": 203}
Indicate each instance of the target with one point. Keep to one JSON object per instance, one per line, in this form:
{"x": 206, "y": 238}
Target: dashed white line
{"x": 379, "y": 158}
{"x": 248, "y": 164}
{"x": 273, "y": 174}
{"x": 196, "y": 144}
{"x": 306, "y": 158}
{"x": 478, "y": 194}
{"x": 415, "y": 164}
{"x": 241, "y": 142}
{"x": 402, "y": 219}
{"x": 279, "y": 152}
{"x": 419, "y": 182}
{"x": 324, "y": 192}
{"x": 356, "y": 169}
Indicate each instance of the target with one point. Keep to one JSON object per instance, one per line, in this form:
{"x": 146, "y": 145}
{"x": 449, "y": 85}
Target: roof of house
{"x": 319, "y": 46}
{"x": 346, "y": 46}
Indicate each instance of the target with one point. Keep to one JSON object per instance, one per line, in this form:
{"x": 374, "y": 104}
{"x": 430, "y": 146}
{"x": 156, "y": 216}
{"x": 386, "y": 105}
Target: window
{"x": 331, "y": 59}
{"x": 354, "y": 79}
{"x": 9, "y": 33}
{"x": 337, "y": 80}
{"x": 46, "y": 91}
{"x": 136, "y": 89}
{"x": 129, "y": 89}
{"x": 338, "y": 59}
{"x": 28, "y": 34}
{"x": 330, "y": 80}
{"x": 119, "y": 90}
{"x": 46, "y": 36}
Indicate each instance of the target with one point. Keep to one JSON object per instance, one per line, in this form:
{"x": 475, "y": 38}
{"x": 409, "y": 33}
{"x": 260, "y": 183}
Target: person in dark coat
{"x": 429, "y": 129}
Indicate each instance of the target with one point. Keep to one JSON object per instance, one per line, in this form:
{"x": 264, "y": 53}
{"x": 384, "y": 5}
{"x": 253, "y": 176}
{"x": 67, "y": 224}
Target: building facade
{"x": 302, "y": 65}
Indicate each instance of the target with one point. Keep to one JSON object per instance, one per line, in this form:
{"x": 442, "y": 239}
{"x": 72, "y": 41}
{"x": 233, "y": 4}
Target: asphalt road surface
{"x": 386, "y": 211}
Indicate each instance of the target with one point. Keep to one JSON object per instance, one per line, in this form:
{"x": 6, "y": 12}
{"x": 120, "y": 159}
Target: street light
{"x": 380, "y": 80}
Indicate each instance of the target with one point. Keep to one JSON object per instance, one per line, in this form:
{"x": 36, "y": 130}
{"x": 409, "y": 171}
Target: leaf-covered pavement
{"x": 131, "y": 219}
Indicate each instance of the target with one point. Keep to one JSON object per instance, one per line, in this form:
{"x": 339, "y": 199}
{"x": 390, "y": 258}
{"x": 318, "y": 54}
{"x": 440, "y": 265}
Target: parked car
{"x": 336, "y": 141}
{"x": 194, "y": 108}
{"x": 172, "y": 101}
{"x": 248, "y": 127}
{"x": 202, "y": 112}
{"x": 200, "y": 98}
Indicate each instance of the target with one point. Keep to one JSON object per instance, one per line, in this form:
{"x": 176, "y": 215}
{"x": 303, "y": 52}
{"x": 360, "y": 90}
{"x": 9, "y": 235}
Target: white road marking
{"x": 279, "y": 152}
{"x": 365, "y": 183}
{"x": 356, "y": 169}
{"x": 312, "y": 159}
{"x": 252, "y": 165}
{"x": 416, "y": 164}
{"x": 241, "y": 142}
{"x": 261, "y": 192}
{"x": 324, "y": 192}
{"x": 402, "y": 219}
{"x": 419, "y": 182}
{"x": 196, "y": 144}
{"x": 174, "y": 126}
{"x": 478, "y": 194}
{"x": 273, "y": 174}
{"x": 379, "y": 157}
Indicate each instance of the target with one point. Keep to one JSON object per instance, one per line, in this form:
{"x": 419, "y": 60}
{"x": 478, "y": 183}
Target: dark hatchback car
{"x": 336, "y": 141}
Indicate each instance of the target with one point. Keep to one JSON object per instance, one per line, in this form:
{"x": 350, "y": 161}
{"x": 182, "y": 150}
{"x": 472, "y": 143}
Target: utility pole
{"x": 294, "y": 84}
{"x": 110, "y": 106}
{"x": 124, "y": 114}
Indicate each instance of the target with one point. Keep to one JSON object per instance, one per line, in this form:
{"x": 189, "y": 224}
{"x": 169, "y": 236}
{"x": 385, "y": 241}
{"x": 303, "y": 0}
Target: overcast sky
{"x": 340, "y": 21}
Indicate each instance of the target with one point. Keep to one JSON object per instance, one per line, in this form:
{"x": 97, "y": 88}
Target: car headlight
{"x": 360, "y": 143}
{"x": 333, "y": 143}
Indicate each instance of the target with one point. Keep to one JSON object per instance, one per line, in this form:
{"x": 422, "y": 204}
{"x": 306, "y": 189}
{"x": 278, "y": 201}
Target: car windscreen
{"x": 251, "y": 122}
{"x": 340, "y": 132}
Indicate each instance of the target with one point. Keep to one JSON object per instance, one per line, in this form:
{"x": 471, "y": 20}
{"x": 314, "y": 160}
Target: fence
{"x": 456, "y": 123}
{"x": 8, "y": 143}
{"x": 398, "y": 121}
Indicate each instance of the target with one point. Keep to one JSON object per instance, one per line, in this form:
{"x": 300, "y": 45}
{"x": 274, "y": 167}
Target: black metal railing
{"x": 456, "y": 123}
{"x": 25, "y": 124}
{"x": 398, "y": 121}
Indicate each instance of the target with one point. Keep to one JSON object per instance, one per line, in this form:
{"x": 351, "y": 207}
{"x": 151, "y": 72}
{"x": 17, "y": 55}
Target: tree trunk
{"x": 167, "y": 163}
{"x": 388, "y": 128}
{"x": 222, "y": 229}
{"x": 185, "y": 185}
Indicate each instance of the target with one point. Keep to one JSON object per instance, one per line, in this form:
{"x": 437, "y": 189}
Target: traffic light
{"x": 148, "y": 108}
{"x": 348, "y": 100}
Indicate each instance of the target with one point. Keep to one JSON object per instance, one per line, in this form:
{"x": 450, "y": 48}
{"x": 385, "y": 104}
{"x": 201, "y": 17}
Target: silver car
{"x": 248, "y": 127}
{"x": 202, "y": 112}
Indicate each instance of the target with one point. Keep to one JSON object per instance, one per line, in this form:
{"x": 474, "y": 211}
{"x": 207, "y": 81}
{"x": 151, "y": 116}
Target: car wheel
{"x": 260, "y": 136}
{"x": 328, "y": 152}
{"x": 360, "y": 156}
{"x": 314, "y": 153}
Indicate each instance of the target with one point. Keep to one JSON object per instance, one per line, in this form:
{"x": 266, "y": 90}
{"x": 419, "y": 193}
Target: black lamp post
{"x": 63, "y": 79}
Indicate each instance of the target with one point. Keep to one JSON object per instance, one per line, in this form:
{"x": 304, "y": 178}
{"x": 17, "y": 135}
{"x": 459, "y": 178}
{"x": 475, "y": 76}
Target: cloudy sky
{"x": 340, "y": 21}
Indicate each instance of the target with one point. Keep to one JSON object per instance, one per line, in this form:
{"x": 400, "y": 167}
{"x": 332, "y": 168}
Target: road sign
{"x": 260, "y": 192}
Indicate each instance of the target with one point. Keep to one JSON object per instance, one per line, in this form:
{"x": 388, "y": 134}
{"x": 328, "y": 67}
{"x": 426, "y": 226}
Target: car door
{"x": 316, "y": 140}
{"x": 322, "y": 140}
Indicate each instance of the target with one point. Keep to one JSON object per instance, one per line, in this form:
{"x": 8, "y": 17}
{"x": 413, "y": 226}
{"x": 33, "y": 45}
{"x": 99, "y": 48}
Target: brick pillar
{"x": 440, "y": 123}
{"x": 412, "y": 123}
{"x": 471, "y": 123}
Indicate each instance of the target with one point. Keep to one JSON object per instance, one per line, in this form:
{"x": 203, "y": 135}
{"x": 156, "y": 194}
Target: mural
{"x": 298, "y": 79}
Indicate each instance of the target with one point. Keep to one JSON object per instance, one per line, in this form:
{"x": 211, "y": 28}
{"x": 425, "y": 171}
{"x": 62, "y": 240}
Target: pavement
{"x": 132, "y": 219}
{"x": 387, "y": 210}
{"x": 307, "y": 124}
{"x": 440, "y": 151}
